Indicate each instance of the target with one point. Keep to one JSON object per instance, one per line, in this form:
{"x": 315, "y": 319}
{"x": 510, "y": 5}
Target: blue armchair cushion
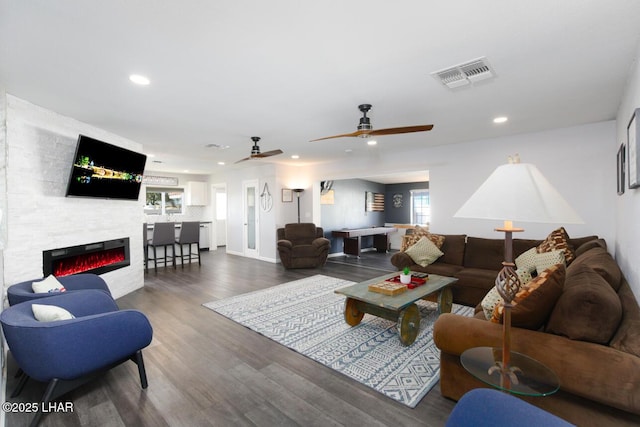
{"x": 50, "y": 313}
{"x": 101, "y": 335}
{"x": 48, "y": 285}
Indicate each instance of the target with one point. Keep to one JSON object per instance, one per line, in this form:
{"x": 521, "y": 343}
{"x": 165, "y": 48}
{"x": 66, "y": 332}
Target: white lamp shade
{"x": 518, "y": 192}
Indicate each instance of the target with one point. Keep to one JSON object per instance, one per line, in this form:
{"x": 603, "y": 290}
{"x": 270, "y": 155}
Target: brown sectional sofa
{"x": 591, "y": 339}
{"x": 474, "y": 261}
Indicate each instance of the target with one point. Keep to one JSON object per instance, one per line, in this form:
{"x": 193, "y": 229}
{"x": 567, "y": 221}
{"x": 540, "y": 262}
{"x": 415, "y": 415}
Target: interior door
{"x": 251, "y": 227}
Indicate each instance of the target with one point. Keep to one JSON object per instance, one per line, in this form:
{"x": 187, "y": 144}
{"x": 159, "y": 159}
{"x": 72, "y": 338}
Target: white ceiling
{"x": 293, "y": 70}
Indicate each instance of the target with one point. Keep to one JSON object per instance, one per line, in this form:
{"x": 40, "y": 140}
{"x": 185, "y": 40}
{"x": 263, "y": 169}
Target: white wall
{"x": 627, "y": 206}
{"x": 264, "y": 173}
{"x": 578, "y": 161}
{"x": 40, "y": 146}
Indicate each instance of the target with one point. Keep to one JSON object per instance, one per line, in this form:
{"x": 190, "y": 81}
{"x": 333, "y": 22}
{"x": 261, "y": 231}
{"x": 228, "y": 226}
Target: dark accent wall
{"x": 400, "y": 215}
{"x": 348, "y": 210}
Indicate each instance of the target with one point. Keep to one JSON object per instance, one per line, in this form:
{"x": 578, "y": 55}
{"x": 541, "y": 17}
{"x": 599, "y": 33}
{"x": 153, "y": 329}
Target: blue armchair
{"x": 21, "y": 292}
{"x": 485, "y": 407}
{"x": 68, "y": 353}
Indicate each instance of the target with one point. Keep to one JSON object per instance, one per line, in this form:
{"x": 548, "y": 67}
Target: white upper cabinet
{"x": 196, "y": 193}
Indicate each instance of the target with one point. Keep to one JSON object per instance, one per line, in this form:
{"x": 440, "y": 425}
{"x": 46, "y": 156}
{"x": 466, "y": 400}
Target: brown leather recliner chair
{"x": 302, "y": 246}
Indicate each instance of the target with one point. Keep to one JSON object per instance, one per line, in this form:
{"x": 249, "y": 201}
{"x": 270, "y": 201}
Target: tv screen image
{"x": 105, "y": 171}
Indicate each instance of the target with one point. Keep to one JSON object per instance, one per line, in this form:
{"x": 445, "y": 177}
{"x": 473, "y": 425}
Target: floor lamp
{"x": 298, "y": 192}
{"x": 515, "y": 192}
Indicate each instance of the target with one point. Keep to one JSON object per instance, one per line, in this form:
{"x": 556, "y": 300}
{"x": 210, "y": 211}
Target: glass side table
{"x": 529, "y": 377}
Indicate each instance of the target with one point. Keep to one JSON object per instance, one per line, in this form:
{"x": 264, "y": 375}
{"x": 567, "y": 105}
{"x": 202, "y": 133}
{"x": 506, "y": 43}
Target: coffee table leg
{"x": 352, "y": 315}
{"x": 445, "y": 300}
{"x": 409, "y": 324}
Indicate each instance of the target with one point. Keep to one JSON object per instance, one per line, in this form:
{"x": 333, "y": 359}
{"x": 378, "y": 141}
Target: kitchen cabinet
{"x": 196, "y": 193}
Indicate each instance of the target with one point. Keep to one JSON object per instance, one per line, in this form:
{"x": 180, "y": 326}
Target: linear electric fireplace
{"x": 97, "y": 258}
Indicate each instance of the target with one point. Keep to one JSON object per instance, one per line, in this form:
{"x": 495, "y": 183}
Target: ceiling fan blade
{"x": 267, "y": 154}
{"x": 406, "y": 129}
{"x": 242, "y": 160}
{"x": 356, "y": 133}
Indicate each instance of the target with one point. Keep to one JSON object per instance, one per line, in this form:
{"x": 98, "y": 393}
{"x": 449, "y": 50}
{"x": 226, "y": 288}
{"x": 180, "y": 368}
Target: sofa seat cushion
{"x": 588, "y": 309}
{"x": 303, "y": 251}
{"x": 535, "y": 300}
{"x": 477, "y": 278}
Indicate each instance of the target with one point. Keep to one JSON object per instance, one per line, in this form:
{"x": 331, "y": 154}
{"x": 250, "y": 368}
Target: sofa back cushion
{"x": 588, "y": 309}
{"x": 300, "y": 234}
{"x": 600, "y": 261}
{"x": 453, "y": 248}
{"x": 489, "y": 253}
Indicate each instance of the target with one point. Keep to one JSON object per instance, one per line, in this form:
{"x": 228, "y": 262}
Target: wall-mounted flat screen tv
{"x": 105, "y": 171}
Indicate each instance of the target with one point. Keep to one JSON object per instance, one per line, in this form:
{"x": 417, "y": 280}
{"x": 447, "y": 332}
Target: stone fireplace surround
{"x": 37, "y": 152}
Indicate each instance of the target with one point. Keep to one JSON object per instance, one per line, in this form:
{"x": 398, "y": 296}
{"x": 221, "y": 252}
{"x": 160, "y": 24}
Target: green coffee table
{"x": 399, "y": 308}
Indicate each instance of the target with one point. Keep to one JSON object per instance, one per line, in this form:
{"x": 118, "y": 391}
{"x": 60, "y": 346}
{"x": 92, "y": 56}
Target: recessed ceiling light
{"x": 221, "y": 163}
{"x": 186, "y": 171}
{"x": 372, "y": 142}
{"x": 501, "y": 119}
{"x": 295, "y": 156}
{"x": 139, "y": 79}
{"x": 348, "y": 150}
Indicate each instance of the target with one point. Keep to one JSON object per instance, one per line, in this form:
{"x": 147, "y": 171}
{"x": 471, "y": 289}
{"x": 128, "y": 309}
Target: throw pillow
{"x": 535, "y": 300}
{"x": 50, "y": 284}
{"x": 424, "y": 252}
{"x": 50, "y": 313}
{"x": 409, "y": 240}
{"x": 527, "y": 260}
{"x": 558, "y": 240}
{"x": 489, "y": 302}
{"x": 548, "y": 259}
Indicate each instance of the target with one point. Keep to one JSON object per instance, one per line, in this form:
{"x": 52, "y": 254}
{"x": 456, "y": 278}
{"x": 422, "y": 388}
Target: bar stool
{"x": 189, "y": 235}
{"x": 145, "y": 244}
{"x": 164, "y": 235}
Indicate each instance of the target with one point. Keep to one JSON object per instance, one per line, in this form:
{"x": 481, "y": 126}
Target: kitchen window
{"x": 164, "y": 201}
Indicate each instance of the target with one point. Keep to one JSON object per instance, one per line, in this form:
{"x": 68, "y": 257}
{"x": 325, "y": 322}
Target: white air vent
{"x": 464, "y": 74}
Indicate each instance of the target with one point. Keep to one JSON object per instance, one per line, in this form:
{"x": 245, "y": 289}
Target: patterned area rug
{"x": 307, "y": 316}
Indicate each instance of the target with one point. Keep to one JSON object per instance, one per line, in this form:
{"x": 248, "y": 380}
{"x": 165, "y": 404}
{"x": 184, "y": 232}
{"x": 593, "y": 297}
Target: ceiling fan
{"x": 365, "y": 129}
{"x": 255, "y": 151}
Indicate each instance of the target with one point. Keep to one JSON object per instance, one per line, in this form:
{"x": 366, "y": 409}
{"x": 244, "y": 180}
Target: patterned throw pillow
{"x": 424, "y": 252}
{"x": 558, "y": 240}
{"x": 534, "y": 301}
{"x": 527, "y": 260}
{"x": 548, "y": 259}
{"x": 47, "y": 285}
{"x": 409, "y": 240}
{"x": 489, "y": 302}
{"x": 492, "y": 298}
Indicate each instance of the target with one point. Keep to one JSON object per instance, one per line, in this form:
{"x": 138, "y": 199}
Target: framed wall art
{"x": 287, "y": 195}
{"x": 633, "y": 160}
{"x": 621, "y": 160}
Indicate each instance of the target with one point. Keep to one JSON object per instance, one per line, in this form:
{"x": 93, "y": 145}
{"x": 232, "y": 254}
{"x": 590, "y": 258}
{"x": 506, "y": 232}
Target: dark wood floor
{"x": 205, "y": 370}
